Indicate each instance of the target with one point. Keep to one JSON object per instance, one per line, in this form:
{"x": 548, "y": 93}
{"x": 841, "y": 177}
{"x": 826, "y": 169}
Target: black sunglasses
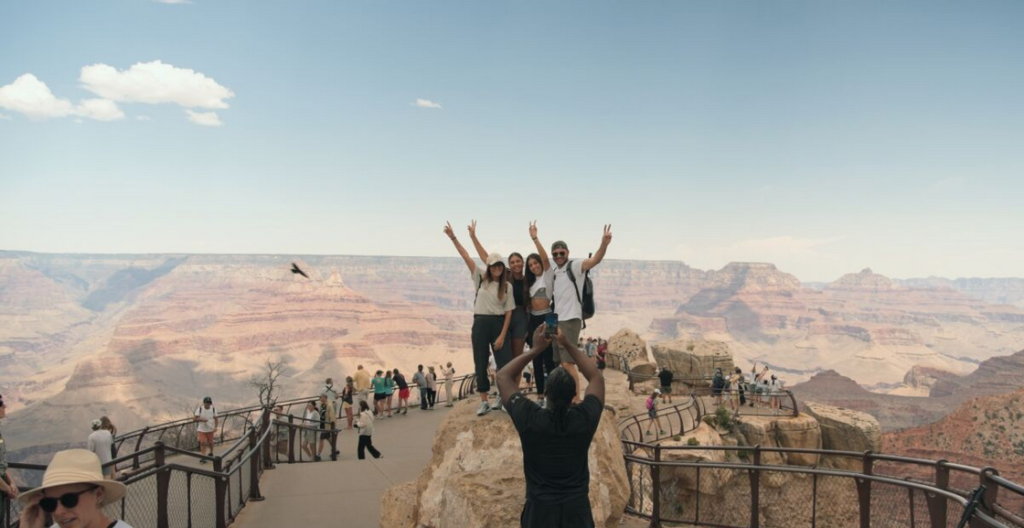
{"x": 68, "y": 500}
{"x": 560, "y": 253}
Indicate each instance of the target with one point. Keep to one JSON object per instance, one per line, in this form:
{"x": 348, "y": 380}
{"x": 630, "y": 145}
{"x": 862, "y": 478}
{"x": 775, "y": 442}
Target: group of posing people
{"x": 762, "y": 387}
{"x": 512, "y": 300}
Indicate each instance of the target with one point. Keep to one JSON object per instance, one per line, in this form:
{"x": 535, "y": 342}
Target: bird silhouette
{"x": 295, "y": 269}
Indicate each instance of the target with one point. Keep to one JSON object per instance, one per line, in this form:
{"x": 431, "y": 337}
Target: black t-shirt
{"x": 555, "y": 462}
{"x": 400, "y": 381}
{"x": 323, "y": 416}
{"x": 518, "y": 291}
{"x": 666, "y": 378}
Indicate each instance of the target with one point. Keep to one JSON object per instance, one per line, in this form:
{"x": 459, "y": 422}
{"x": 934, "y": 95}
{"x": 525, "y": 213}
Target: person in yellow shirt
{"x": 362, "y": 379}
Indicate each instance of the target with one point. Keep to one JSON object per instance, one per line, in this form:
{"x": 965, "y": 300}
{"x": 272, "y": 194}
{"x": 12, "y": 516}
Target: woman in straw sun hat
{"x": 74, "y": 493}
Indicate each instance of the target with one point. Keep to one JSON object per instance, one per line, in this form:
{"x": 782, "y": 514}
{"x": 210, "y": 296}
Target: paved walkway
{"x": 347, "y": 492}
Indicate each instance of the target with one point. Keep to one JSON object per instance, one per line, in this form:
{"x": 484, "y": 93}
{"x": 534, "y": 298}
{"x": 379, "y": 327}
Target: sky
{"x": 824, "y": 137}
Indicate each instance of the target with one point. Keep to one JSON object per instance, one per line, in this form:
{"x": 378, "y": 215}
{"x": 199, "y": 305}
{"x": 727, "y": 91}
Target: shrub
{"x": 723, "y": 419}
{"x": 676, "y": 438}
{"x": 692, "y": 442}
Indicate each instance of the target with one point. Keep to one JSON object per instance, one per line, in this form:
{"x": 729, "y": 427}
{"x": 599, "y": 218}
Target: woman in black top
{"x": 403, "y": 392}
{"x": 346, "y": 400}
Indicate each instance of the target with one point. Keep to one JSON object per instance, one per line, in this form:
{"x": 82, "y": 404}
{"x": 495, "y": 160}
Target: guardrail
{"x": 680, "y": 419}
{"x": 757, "y": 403}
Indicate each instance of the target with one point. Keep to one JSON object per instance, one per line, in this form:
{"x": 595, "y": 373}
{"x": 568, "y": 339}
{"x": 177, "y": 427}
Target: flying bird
{"x": 295, "y": 269}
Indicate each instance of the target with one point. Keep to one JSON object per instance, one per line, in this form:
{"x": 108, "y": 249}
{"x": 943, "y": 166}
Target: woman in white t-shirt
{"x": 311, "y": 423}
{"x": 492, "y": 315}
{"x": 538, "y": 280}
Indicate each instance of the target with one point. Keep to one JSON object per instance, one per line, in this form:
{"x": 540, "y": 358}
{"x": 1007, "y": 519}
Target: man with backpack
{"x": 573, "y": 297}
{"x": 206, "y": 416}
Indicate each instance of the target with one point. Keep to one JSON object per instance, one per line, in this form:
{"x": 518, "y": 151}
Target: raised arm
{"x": 599, "y": 256}
{"x": 462, "y": 251}
{"x": 595, "y": 380}
{"x": 540, "y": 247}
{"x": 476, "y": 242}
{"x": 506, "y": 377}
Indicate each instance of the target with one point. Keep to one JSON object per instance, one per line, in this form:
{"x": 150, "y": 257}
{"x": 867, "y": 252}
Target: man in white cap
{"x": 74, "y": 493}
{"x": 100, "y": 442}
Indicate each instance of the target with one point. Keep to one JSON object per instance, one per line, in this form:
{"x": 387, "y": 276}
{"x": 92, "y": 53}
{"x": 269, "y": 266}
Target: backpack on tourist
{"x": 587, "y": 299}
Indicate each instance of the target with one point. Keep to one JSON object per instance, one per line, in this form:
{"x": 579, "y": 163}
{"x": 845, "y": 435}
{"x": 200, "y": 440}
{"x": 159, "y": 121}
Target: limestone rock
{"x": 475, "y": 477}
{"x": 711, "y": 480}
{"x": 798, "y": 432}
{"x": 693, "y": 359}
{"x": 845, "y": 430}
{"x": 397, "y": 511}
{"x": 628, "y": 344}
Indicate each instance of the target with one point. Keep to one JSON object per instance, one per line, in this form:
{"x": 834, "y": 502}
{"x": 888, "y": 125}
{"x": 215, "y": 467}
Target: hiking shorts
{"x": 205, "y": 438}
{"x": 666, "y": 390}
{"x": 378, "y": 396}
{"x": 571, "y": 329}
{"x": 574, "y": 513}
{"x": 403, "y": 394}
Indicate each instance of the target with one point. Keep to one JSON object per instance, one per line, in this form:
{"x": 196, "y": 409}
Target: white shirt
{"x": 448, "y": 373}
{"x": 542, "y": 285}
{"x": 491, "y": 364}
{"x": 567, "y": 303}
{"x": 209, "y": 415}
{"x": 365, "y": 423}
{"x": 100, "y": 442}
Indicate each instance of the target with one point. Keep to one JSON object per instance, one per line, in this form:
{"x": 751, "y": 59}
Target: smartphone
{"x": 551, "y": 320}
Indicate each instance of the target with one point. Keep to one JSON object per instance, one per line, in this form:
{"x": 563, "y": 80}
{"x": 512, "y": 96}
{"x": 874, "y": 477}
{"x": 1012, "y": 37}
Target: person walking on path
{"x": 389, "y": 388}
{"x": 101, "y": 443}
{"x": 347, "y": 401}
{"x": 492, "y": 316}
{"x": 519, "y": 325}
{"x": 311, "y": 419}
{"x": 420, "y": 379}
{"x": 8, "y": 489}
{"x": 568, "y": 295}
{"x": 362, "y": 379}
{"x": 449, "y": 373}
{"x": 73, "y": 493}
{"x": 556, "y": 440}
{"x": 652, "y": 412}
{"x": 403, "y": 392}
{"x": 332, "y": 395}
{"x": 327, "y": 417}
{"x": 365, "y": 425}
{"x": 538, "y": 284}
{"x": 206, "y": 415}
{"x": 431, "y": 386}
{"x": 380, "y": 393}
{"x": 665, "y": 378}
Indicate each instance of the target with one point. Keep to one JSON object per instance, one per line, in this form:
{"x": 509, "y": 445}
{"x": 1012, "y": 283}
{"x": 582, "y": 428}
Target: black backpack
{"x": 587, "y": 299}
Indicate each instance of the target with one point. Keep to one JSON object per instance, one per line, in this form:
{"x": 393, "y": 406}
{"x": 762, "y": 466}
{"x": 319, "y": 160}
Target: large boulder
{"x": 694, "y": 361}
{"x": 845, "y": 430}
{"x": 685, "y": 478}
{"x": 628, "y": 344}
{"x": 797, "y": 432}
{"x": 475, "y": 477}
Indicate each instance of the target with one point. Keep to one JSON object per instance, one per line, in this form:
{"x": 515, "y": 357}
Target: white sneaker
{"x": 498, "y": 407}
{"x": 483, "y": 409}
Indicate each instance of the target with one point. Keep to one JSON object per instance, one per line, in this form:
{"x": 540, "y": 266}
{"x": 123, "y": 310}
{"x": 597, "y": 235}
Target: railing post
{"x": 656, "y": 488}
{"x": 163, "y": 486}
{"x": 138, "y": 444}
{"x": 334, "y": 445}
{"x": 291, "y": 439}
{"x": 864, "y": 491}
{"x": 988, "y": 500}
{"x": 254, "y": 467}
{"x": 938, "y": 506}
{"x": 755, "y": 489}
{"x": 221, "y": 493}
{"x": 268, "y": 459}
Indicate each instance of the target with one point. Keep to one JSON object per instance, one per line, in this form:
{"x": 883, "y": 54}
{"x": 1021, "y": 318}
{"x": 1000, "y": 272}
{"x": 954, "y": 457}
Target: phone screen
{"x": 552, "y": 324}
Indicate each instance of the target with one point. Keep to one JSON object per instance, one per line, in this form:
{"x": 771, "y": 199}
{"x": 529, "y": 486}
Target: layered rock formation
{"x": 475, "y": 477}
{"x": 693, "y": 360}
{"x": 845, "y": 430}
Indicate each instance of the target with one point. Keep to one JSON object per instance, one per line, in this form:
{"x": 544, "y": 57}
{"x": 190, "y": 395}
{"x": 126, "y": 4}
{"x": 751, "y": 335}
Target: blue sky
{"x": 822, "y": 136}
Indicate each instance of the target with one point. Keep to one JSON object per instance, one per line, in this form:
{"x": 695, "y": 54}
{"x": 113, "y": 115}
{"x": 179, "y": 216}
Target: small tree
{"x": 266, "y": 383}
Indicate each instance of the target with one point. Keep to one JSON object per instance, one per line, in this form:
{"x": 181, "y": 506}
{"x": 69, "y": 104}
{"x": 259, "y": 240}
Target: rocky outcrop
{"x": 711, "y": 480}
{"x": 475, "y": 477}
{"x": 693, "y": 360}
{"x": 628, "y": 344}
{"x": 797, "y": 432}
{"x": 845, "y": 430}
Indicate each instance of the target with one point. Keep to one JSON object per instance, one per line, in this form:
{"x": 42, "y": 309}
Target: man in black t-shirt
{"x": 556, "y": 439}
{"x": 666, "y": 384}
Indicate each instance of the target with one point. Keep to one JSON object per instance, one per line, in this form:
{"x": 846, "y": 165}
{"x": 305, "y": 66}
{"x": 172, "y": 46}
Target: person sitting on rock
{"x": 555, "y": 439}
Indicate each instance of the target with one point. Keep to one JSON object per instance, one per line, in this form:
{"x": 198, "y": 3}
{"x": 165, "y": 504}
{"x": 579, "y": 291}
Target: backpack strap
{"x": 579, "y": 297}
{"x": 479, "y": 284}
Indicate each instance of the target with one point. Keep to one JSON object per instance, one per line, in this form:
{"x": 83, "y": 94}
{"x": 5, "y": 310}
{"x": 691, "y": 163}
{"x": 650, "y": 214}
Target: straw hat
{"x": 76, "y": 466}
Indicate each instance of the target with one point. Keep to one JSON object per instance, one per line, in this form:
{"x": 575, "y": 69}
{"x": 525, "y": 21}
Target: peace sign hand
{"x": 449, "y": 231}
{"x": 607, "y": 238}
{"x": 472, "y": 228}
{"x": 533, "y": 230}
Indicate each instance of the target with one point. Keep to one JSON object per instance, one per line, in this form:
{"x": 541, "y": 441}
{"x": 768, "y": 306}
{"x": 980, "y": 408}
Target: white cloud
{"x": 155, "y": 83}
{"x": 143, "y": 118}
{"x": 31, "y": 97}
{"x": 204, "y": 118}
{"x": 426, "y": 103}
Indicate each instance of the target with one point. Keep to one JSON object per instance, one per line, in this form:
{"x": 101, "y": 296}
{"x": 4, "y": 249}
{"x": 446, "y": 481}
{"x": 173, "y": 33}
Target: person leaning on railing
{"x": 555, "y": 440}
{"x": 73, "y": 493}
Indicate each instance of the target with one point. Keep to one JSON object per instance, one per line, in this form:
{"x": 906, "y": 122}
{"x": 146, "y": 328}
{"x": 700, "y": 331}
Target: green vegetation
{"x": 693, "y": 442}
{"x": 723, "y": 419}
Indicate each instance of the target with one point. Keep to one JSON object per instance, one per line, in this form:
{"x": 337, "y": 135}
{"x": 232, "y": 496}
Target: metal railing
{"x": 680, "y": 419}
{"x": 750, "y": 402}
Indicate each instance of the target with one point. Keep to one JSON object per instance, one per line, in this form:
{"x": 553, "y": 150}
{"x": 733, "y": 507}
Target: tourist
{"x": 717, "y": 386}
{"x": 449, "y": 374}
{"x": 492, "y": 316}
{"x": 73, "y": 493}
{"x": 389, "y": 388}
{"x": 652, "y": 413}
{"x": 327, "y": 417}
{"x": 735, "y": 389}
{"x": 380, "y": 393}
{"x": 538, "y": 283}
{"x": 332, "y": 395}
{"x": 365, "y": 425}
{"x": 362, "y": 382}
{"x": 311, "y": 419}
{"x": 591, "y": 347}
{"x": 431, "y": 387}
{"x": 568, "y": 279}
{"x": 108, "y": 425}
{"x": 602, "y": 356}
{"x": 101, "y": 443}
{"x": 347, "y": 400}
{"x": 520, "y": 322}
{"x": 420, "y": 379}
{"x": 206, "y": 415}
{"x": 556, "y": 440}
{"x": 665, "y": 378}
{"x": 403, "y": 392}
{"x": 8, "y": 489}
{"x": 775, "y": 393}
